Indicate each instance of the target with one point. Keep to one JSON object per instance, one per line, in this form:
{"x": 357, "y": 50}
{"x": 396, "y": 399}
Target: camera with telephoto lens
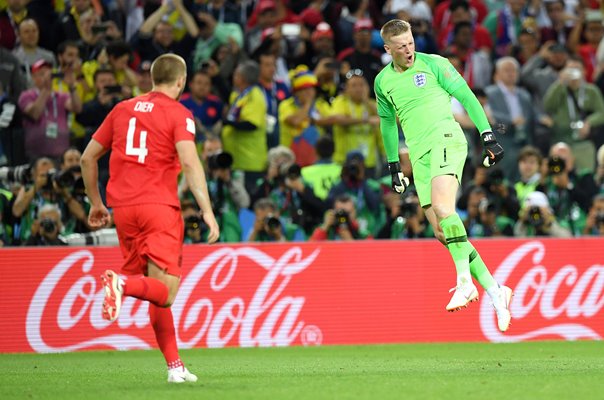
{"x": 222, "y": 160}
{"x": 19, "y": 174}
{"x": 64, "y": 179}
{"x": 193, "y": 222}
{"x": 556, "y": 165}
{"x": 48, "y": 225}
{"x": 408, "y": 209}
{"x": 599, "y": 219}
{"x": 342, "y": 218}
{"x": 535, "y": 218}
{"x": 351, "y": 171}
{"x": 272, "y": 222}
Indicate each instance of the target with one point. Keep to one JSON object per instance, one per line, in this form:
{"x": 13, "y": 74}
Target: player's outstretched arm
{"x": 98, "y": 216}
{"x": 196, "y": 179}
{"x": 493, "y": 152}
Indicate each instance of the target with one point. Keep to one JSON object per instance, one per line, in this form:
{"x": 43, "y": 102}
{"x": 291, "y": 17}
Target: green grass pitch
{"x": 531, "y": 370}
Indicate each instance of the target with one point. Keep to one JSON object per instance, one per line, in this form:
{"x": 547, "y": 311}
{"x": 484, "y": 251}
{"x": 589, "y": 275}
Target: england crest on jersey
{"x": 419, "y": 79}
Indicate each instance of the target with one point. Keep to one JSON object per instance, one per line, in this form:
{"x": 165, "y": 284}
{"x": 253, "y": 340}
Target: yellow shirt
{"x": 360, "y": 137}
{"x": 248, "y": 148}
{"x": 289, "y": 107}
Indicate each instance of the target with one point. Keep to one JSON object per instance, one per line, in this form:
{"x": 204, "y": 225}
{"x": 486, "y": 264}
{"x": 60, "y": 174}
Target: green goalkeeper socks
{"x": 479, "y": 270}
{"x": 457, "y": 243}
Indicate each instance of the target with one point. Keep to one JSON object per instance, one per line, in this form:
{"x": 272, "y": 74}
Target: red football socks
{"x": 150, "y": 289}
{"x": 163, "y": 326}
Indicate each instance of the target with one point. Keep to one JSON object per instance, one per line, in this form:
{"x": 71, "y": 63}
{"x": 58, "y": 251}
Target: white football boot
{"x": 502, "y": 308}
{"x": 180, "y": 375}
{"x": 464, "y": 295}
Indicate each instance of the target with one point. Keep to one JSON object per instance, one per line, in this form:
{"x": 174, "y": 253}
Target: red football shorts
{"x": 150, "y": 232}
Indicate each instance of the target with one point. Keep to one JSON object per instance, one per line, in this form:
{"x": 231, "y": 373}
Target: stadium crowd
{"x": 287, "y": 127}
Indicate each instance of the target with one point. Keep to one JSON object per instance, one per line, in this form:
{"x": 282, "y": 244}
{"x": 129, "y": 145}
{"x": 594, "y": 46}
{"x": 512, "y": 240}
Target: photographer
{"x": 576, "y": 107}
{"x": 69, "y": 178}
{"x": 364, "y": 192}
{"x": 277, "y": 158}
{"x": 405, "y": 218}
{"x": 195, "y": 230}
{"x": 228, "y": 195}
{"x": 490, "y": 224}
{"x": 537, "y": 219}
{"x": 269, "y": 227}
{"x": 46, "y": 228}
{"x": 569, "y": 191}
{"x": 595, "y": 218}
{"x": 48, "y": 187}
{"x": 340, "y": 222}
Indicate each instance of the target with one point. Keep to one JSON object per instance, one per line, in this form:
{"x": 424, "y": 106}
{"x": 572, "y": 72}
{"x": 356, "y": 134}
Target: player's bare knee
{"x": 442, "y": 211}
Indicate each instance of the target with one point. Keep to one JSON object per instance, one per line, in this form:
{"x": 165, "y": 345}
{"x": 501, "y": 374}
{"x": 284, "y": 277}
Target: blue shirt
{"x": 274, "y": 94}
{"x": 207, "y": 112}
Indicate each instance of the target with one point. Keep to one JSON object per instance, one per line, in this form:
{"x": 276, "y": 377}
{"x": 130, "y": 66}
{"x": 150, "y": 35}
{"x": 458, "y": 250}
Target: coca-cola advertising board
{"x": 305, "y": 294}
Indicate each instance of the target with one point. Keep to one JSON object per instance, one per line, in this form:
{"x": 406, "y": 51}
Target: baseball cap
{"x": 558, "y": 48}
{"x": 323, "y": 30}
{"x": 363, "y": 24}
{"x": 536, "y": 199}
{"x": 265, "y": 5}
{"x": 38, "y": 65}
{"x": 311, "y": 17}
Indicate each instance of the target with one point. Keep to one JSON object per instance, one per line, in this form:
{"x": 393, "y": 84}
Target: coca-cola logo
{"x": 267, "y": 317}
{"x": 538, "y": 290}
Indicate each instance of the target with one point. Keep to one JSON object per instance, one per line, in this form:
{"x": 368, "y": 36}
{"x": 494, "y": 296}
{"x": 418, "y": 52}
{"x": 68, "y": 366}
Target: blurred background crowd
{"x": 287, "y": 128}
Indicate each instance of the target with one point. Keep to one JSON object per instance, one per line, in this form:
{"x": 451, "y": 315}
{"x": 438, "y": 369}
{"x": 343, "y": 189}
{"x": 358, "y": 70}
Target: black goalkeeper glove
{"x": 493, "y": 152}
{"x": 399, "y": 181}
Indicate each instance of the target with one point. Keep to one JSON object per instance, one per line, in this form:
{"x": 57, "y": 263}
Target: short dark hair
{"x": 264, "y": 204}
{"x": 102, "y": 70}
{"x": 325, "y": 147}
{"x": 70, "y": 148}
{"x": 460, "y": 25}
{"x": 530, "y": 151}
{"x": 65, "y": 44}
{"x": 118, "y": 49}
{"x": 455, "y": 4}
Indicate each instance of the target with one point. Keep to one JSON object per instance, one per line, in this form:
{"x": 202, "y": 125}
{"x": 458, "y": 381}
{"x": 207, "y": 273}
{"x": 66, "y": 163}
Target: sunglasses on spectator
{"x": 354, "y": 72}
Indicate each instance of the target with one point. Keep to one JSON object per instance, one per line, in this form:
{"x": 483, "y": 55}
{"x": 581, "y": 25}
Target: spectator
{"x": 599, "y": 175}
{"x": 278, "y": 158}
{"x": 207, "y": 109}
{"x": 405, "y": 219}
{"x": 476, "y": 66}
{"x": 45, "y": 110}
{"x": 340, "y": 222}
{"x": 115, "y": 56}
{"x": 12, "y": 84}
{"x": 364, "y": 192}
{"x": 513, "y": 110}
{"x": 44, "y": 190}
{"x": 560, "y": 25}
{"x": 156, "y": 35}
{"x": 537, "y": 75}
{"x": 275, "y": 92}
{"x": 144, "y": 82}
{"x": 460, "y": 12}
{"x": 417, "y": 9}
{"x": 361, "y": 55}
{"x": 68, "y": 25}
{"x": 28, "y": 52}
{"x": 47, "y": 227}
{"x": 266, "y": 13}
{"x": 529, "y": 163}
{"x": 595, "y": 218}
{"x": 324, "y": 173}
{"x": 591, "y": 28}
{"x": 356, "y": 124}
{"x": 328, "y": 76}
{"x": 269, "y": 227}
{"x": 537, "y": 219}
{"x": 69, "y": 179}
{"x": 472, "y": 135}
{"x": 576, "y": 107}
{"x": 213, "y": 34}
{"x": 90, "y": 39}
{"x": 505, "y": 25}
{"x": 302, "y": 117}
{"x": 528, "y": 45}
{"x": 10, "y": 18}
{"x": 244, "y": 133}
{"x": 442, "y": 13}
{"x": 321, "y": 45}
{"x": 195, "y": 230}
{"x": 223, "y": 11}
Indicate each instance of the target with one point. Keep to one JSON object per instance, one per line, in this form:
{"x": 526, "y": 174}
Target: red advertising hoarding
{"x": 305, "y": 294}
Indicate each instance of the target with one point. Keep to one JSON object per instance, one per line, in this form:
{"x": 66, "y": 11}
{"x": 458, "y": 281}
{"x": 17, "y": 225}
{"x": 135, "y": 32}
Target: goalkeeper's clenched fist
{"x": 399, "y": 180}
{"x": 493, "y": 152}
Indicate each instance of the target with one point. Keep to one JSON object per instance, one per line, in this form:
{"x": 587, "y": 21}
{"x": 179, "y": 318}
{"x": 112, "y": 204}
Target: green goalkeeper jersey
{"x": 421, "y": 98}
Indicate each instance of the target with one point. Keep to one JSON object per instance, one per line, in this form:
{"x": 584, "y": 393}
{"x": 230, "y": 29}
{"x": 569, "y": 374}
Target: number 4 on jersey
{"x": 140, "y": 151}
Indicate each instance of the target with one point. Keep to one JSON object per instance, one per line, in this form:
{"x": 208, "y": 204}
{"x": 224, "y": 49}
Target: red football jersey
{"x": 142, "y": 133}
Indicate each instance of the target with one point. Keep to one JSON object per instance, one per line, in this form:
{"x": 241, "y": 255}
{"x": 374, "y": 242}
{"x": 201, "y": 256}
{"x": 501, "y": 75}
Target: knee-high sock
{"x": 457, "y": 244}
{"x": 150, "y": 289}
{"x": 479, "y": 270}
{"x": 165, "y": 334}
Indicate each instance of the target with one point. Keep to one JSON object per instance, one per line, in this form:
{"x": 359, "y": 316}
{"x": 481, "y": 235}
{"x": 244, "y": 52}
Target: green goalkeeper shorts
{"x": 442, "y": 159}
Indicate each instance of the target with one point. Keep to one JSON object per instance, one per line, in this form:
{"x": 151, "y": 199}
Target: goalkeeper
{"x": 417, "y": 88}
